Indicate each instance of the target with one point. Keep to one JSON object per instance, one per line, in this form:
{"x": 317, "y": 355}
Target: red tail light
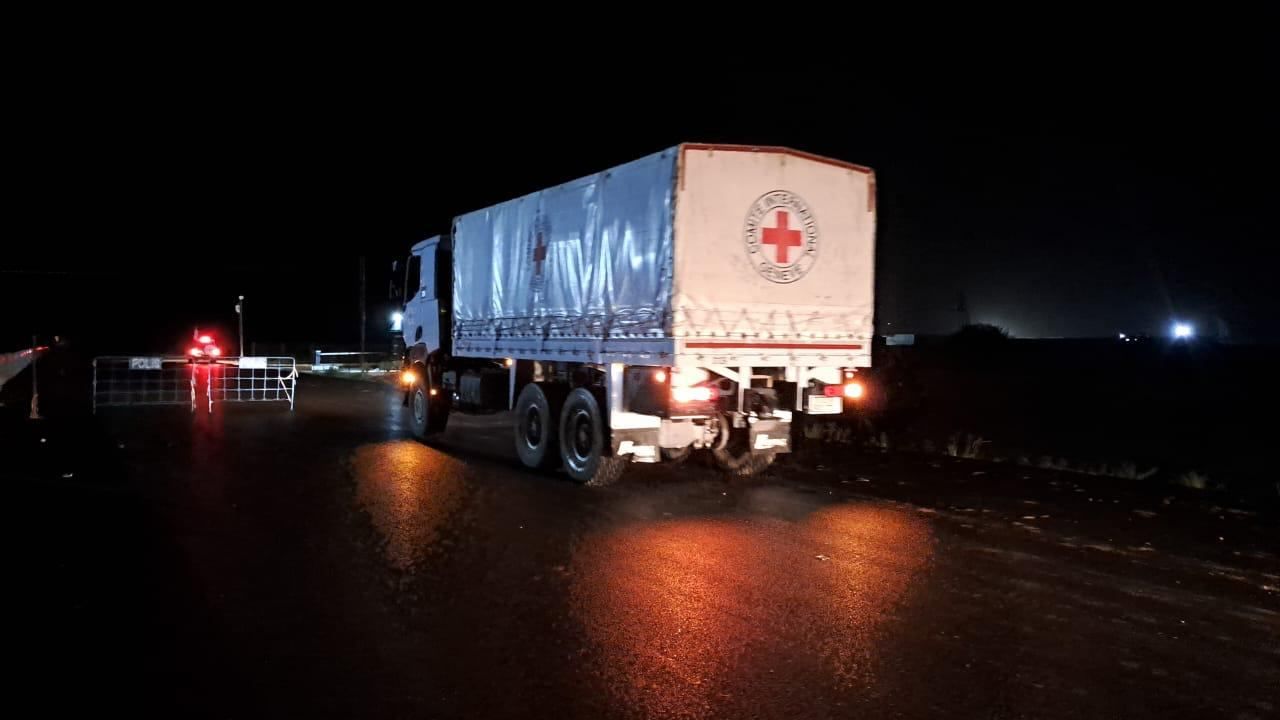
{"x": 852, "y": 389}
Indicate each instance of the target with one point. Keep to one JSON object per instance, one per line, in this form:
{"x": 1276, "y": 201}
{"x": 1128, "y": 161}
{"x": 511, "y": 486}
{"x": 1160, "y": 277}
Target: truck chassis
{"x": 594, "y": 419}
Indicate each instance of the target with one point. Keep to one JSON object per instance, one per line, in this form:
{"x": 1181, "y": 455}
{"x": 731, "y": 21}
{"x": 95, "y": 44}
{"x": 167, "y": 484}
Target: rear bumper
{"x": 765, "y": 435}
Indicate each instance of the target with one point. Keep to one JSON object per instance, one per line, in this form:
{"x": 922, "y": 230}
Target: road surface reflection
{"x": 682, "y": 612}
{"x": 410, "y": 493}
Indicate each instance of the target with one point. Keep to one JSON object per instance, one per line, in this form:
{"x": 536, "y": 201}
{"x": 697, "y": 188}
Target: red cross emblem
{"x": 782, "y": 265}
{"x": 539, "y": 255}
{"x": 782, "y": 236}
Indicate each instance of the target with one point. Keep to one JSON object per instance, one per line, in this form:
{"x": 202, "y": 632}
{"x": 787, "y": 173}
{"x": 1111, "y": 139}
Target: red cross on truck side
{"x": 782, "y": 236}
{"x": 539, "y": 255}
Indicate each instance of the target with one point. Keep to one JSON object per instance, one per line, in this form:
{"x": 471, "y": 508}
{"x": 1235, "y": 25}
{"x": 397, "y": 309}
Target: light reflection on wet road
{"x": 335, "y": 567}
{"x": 410, "y": 494}
{"x": 688, "y": 613}
{"x": 680, "y": 595}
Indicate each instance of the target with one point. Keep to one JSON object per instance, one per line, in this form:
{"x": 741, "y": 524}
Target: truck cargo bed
{"x": 697, "y": 255}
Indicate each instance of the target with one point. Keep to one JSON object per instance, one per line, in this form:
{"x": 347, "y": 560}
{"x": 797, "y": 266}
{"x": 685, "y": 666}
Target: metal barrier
{"x": 253, "y": 379}
{"x": 121, "y": 380}
{"x": 341, "y": 360}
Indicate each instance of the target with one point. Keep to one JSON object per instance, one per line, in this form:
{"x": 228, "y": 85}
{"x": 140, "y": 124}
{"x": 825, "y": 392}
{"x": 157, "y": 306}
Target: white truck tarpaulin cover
{"x": 695, "y": 255}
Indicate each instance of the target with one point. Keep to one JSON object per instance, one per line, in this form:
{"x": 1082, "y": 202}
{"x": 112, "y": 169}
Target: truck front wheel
{"x": 583, "y": 441}
{"x": 420, "y": 408}
{"x": 428, "y": 406}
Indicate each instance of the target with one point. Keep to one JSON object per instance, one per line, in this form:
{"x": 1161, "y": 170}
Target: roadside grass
{"x": 859, "y": 434}
{"x": 1193, "y": 480}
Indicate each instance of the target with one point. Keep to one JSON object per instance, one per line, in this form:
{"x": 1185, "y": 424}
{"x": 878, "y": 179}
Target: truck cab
{"x": 428, "y": 282}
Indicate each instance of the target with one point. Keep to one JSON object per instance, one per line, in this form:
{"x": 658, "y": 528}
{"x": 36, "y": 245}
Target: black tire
{"x": 428, "y": 413}
{"x": 536, "y": 429}
{"x": 744, "y": 464}
{"x": 737, "y": 458}
{"x": 441, "y": 404}
{"x": 583, "y": 441}
{"x": 419, "y": 406}
{"x": 677, "y": 455}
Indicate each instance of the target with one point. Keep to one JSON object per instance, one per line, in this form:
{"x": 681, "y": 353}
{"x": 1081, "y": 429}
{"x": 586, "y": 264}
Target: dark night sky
{"x": 1064, "y": 195}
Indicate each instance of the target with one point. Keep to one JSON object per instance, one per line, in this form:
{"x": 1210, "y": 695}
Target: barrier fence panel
{"x": 123, "y": 380}
{"x": 340, "y": 360}
{"x": 254, "y": 379}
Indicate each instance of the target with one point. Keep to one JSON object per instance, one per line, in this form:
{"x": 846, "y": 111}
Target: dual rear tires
{"x": 555, "y": 426}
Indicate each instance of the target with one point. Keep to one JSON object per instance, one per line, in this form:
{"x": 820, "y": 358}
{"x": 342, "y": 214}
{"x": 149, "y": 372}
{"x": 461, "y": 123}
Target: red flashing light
{"x": 215, "y": 351}
{"x": 206, "y": 339}
{"x": 196, "y": 352}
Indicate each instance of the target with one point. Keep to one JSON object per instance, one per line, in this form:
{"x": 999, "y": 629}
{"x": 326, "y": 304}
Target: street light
{"x": 240, "y": 314}
{"x": 1183, "y": 331}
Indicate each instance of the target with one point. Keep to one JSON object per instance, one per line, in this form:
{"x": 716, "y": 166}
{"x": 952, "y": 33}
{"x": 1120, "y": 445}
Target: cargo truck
{"x": 696, "y": 299}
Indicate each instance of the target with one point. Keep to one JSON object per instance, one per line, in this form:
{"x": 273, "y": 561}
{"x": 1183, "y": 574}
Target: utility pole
{"x": 35, "y": 385}
{"x": 240, "y": 314}
{"x": 363, "y": 364}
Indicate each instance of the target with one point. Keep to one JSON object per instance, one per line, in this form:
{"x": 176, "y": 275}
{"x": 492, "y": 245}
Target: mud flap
{"x": 641, "y": 443}
{"x": 770, "y": 435}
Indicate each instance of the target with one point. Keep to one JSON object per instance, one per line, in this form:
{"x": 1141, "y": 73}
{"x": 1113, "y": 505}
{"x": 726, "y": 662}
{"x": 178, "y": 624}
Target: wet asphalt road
{"x": 319, "y": 563}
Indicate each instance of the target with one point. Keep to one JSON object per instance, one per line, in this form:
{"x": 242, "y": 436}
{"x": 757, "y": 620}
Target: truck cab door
{"x": 422, "y": 325}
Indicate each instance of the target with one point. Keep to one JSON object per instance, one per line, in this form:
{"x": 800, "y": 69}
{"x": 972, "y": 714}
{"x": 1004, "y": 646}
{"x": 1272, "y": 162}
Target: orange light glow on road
{"x": 677, "y": 609}
{"x": 410, "y": 492}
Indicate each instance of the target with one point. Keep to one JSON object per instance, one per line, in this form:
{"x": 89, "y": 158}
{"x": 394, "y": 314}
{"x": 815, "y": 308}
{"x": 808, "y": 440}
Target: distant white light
{"x": 1182, "y": 331}
{"x": 397, "y": 319}
{"x": 1122, "y": 336}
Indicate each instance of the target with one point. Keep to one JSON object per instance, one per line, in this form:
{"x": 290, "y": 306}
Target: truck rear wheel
{"x": 734, "y": 455}
{"x": 583, "y": 441}
{"x": 536, "y": 429}
{"x": 677, "y": 455}
{"x": 745, "y": 463}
